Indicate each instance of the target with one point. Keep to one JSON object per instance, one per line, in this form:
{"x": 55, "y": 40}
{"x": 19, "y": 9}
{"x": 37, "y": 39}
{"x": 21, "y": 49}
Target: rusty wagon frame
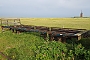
{"x": 54, "y": 33}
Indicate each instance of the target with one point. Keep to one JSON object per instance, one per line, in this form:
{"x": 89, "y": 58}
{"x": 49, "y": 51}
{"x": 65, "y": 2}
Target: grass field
{"x": 30, "y": 46}
{"x": 83, "y": 23}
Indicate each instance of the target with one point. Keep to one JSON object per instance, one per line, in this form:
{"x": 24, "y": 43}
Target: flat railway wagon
{"x": 53, "y": 33}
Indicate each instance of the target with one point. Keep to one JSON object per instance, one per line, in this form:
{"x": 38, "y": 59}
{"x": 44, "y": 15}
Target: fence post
{"x": 1, "y": 22}
{"x": 14, "y": 21}
{"x": 7, "y": 22}
{"x": 19, "y": 21}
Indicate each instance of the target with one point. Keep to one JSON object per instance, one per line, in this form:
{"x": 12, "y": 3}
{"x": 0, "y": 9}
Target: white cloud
{"x": 47, "y": 3}
{"x": 42, "y": 7}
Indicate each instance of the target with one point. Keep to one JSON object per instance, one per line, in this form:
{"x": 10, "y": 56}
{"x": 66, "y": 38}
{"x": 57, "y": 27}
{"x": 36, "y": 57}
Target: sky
{"x": 44, "y": 8}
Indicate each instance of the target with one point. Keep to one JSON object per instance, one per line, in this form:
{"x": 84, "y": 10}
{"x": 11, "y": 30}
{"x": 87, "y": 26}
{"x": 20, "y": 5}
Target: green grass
{"x": 24, "y": 42}
{"x": 11, "y": 40}
{"x": 82, "y": 23}
{"x": 30, "y": 46}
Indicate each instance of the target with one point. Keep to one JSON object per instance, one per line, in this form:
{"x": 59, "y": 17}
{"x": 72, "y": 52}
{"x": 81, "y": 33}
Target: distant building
{"x": 81, "y": 14}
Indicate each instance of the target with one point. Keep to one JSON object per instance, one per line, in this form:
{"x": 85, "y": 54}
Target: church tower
{"x": 81, "y": 14}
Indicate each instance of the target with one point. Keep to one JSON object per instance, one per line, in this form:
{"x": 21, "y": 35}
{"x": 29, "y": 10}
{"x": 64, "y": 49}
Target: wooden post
{"x": 34, "y": 27}
{"x": 14, "y": 21}
{"x": 19, "y": 21}
{"x": 1, "y": 22}
{"x": 64, "y": 39}
{"x": 7, "y": 22}
{"x": 49, "y": 28}
{"x": 51, "y": 38}
{"x": 79, "y": 37}
{"x": 59, "y": 39}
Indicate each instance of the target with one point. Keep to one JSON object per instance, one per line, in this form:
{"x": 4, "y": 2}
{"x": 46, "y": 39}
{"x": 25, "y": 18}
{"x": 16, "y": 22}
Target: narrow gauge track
{"x": 58, "y": 34}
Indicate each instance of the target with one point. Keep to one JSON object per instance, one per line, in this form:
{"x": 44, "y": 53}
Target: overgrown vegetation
{"x": 30, "y": 46}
